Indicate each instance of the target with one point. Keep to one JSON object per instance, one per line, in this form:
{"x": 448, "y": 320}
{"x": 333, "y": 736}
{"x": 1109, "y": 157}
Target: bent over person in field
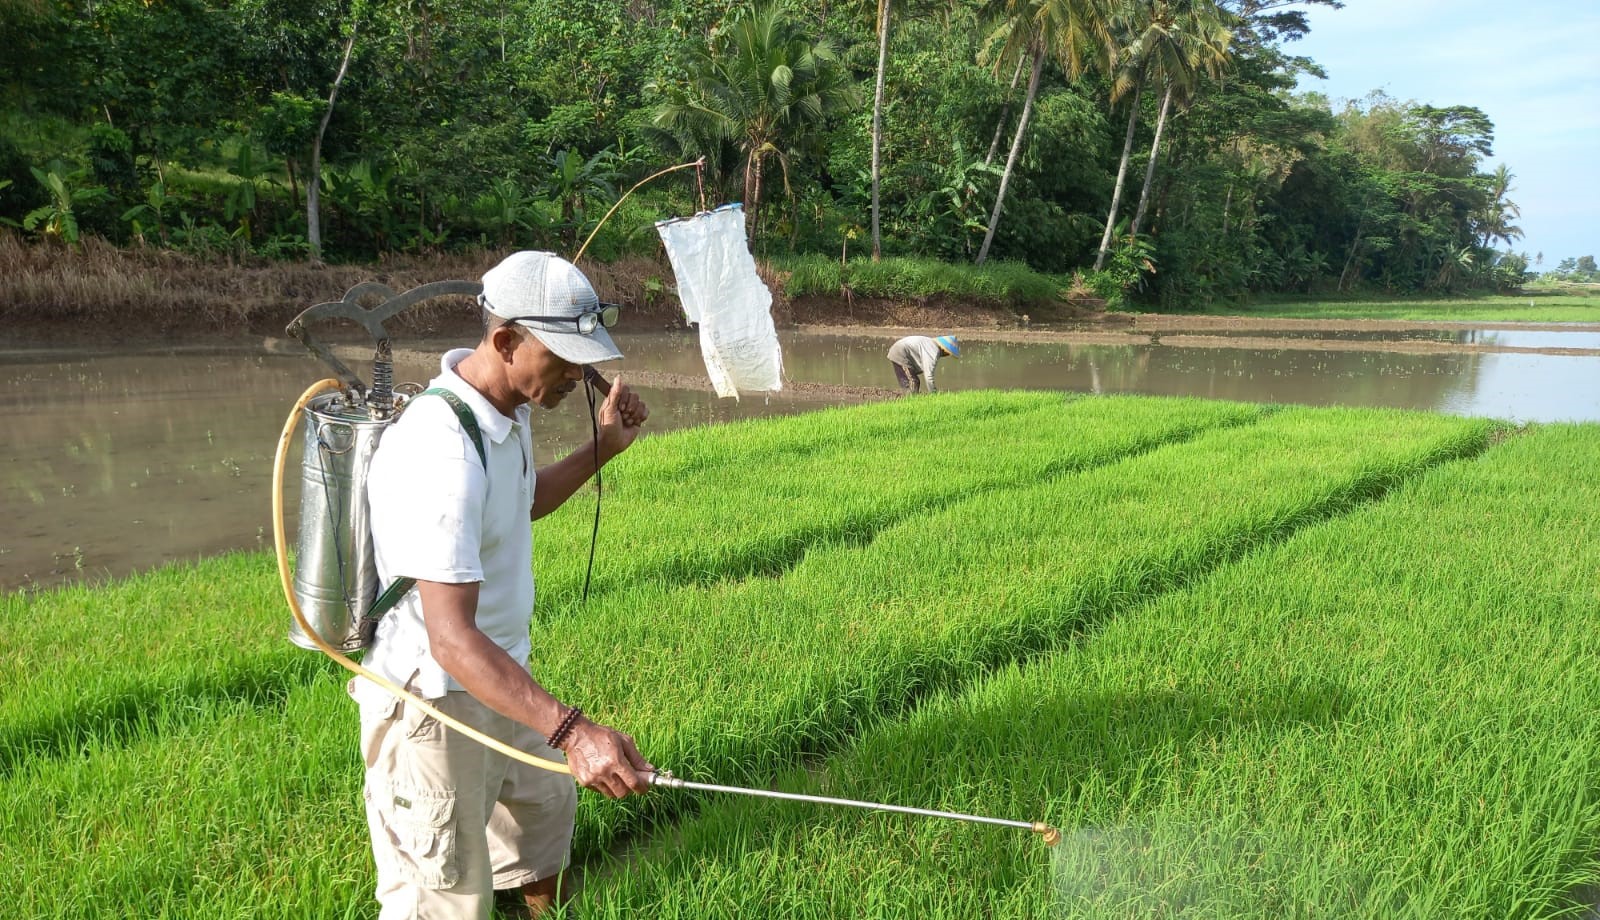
{"x": 914, "y": 357}
{"x": 451, "y": 820}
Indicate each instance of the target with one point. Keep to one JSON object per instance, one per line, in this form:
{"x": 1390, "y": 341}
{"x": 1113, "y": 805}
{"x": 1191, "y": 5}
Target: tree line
{"x": 1150, "y": 145}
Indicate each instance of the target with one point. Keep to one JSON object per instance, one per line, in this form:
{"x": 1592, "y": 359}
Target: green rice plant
{"x": 1391, "y": 714}
{"x": 213, "y": 630}
{"x": 687, "y": 453}
{"x": 713, "y": 685}
{"x": 175, "y": 715}
{"x": 760, "y": 509}
{"x": 202, "y": 818}
{"x": 738, "y": 679}
{"x": 1540, "y": 308}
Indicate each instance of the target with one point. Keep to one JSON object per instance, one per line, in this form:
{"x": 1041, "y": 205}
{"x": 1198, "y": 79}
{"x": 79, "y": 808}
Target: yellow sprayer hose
{"x": 327, "y": 649}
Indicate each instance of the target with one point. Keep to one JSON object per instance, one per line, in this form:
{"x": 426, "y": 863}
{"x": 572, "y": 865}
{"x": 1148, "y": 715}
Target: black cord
{"x": 599, "y": 482}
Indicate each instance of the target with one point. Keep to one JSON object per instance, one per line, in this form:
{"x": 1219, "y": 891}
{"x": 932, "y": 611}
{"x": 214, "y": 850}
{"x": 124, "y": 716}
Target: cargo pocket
{"x": 421, "y": 827}
{"x": 423, "y": 728}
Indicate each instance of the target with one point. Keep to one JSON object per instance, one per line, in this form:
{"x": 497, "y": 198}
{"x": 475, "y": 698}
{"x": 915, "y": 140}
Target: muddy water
{"x": 1515, "y": 386}
{"x": 120, "y": 462}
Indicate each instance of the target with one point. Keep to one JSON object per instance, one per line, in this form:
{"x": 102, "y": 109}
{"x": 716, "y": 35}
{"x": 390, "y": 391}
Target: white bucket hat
{"x": 549, "y": 297}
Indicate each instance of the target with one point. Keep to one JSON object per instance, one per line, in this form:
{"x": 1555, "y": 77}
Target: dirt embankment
{"x": 105, "y": 296}
{"x": 50, "y": 295}
{"x": 1245, "y": 333}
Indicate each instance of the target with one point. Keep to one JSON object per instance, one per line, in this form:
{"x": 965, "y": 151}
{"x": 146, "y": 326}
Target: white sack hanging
{"x": 720, "y": 291}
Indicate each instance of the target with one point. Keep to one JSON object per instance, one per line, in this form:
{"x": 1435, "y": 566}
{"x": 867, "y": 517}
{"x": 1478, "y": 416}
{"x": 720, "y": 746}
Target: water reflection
{"x": 121, "y": 462}
{"x": 1518, "y": 387}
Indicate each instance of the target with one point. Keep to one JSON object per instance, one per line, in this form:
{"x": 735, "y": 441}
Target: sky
{"x": 1533, "y": 66}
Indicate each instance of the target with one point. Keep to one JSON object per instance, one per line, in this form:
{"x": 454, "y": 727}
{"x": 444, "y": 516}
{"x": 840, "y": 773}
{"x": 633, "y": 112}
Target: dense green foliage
{"x": 1210, "y": 587}
{"x": 203, "y": 125}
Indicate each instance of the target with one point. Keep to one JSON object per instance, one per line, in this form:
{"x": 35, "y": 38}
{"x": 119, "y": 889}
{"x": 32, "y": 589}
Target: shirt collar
{"x": 490, "y": 421}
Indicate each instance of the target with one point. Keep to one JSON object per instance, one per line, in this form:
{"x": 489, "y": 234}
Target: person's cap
{"x": 949, "y": 343}
{"x": 542, "y": 284}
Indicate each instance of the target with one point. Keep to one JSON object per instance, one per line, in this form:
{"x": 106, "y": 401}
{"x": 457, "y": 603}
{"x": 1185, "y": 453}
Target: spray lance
{"x": 333, "y": 592}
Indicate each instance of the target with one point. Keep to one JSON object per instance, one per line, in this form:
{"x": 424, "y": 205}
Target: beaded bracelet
{"x": 565, "y": 728}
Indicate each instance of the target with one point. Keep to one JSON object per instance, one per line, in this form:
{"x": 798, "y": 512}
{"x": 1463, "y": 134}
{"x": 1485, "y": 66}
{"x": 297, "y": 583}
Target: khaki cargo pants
{"x": 452, "y": 820}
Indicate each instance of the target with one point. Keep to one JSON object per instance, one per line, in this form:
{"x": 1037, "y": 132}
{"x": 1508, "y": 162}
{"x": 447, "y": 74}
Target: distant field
{"x": 1254, "y": 661}
{"x": 1535, "y": 308}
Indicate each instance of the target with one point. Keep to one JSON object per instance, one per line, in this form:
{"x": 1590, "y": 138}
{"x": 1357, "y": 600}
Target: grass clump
{"x": 896, "y": 277}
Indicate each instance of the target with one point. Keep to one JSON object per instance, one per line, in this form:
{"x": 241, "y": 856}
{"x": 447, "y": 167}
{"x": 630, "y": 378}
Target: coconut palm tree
{"x": 1194, "y": 42}
{"x": 1173, "y": 42}
{"x": 1005, "y": 112}
{"x": 1074, "y": 32}
{"x": 763, "y": 85}
{"x": 1495, "y": 220}
{"x": 884, "y": 9}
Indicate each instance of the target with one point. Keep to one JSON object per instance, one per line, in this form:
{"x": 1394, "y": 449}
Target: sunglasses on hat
{"x": 604, "y": 314}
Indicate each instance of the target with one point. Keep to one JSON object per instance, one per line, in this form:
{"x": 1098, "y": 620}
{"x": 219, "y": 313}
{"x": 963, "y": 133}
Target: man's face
{"x": 540, "y": 375}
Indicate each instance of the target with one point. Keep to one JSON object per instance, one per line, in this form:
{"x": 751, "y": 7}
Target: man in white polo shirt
{"x": 450, "y": 819}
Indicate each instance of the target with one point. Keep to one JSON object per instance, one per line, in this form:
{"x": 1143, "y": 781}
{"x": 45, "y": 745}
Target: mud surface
{"x": 1207, "y": 332}
{"x": 1163, "y": 321}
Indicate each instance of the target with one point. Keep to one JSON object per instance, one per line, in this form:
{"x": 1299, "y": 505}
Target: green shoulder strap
{"x": 398, "y": 588}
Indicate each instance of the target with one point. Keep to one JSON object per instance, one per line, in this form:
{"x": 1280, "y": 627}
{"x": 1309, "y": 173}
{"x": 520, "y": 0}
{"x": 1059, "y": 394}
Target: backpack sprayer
{"x": 333, "y": 594}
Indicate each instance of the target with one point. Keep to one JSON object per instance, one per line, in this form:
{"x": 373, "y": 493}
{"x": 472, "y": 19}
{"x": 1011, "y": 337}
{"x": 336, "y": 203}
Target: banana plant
{"x": 506, "y": 208}
{"x": 4, "y": 221}
{"x": 154, "y": 208}
{"x": 574, "y": 181}
{"x": 59, "y": 218}
{"x": 240, "y": 204}
{"x": 366, "y": 194}
{"x": 949, "y": 212}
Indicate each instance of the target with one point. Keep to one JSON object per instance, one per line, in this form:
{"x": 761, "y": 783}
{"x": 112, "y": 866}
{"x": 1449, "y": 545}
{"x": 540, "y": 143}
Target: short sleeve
{"x": 425, "y": 496}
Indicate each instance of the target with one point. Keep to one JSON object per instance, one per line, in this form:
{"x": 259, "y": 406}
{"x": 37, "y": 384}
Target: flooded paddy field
{"x": 118, "y": 461}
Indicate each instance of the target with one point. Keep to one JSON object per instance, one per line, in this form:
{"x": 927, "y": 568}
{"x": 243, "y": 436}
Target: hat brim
{"x": 577, "y": 348}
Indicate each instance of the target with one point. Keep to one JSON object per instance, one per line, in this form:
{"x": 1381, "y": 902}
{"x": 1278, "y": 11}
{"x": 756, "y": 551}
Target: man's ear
{"x": 505, "y": 340}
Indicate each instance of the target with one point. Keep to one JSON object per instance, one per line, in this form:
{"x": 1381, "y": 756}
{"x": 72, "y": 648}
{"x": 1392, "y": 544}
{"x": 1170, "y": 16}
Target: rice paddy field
{"x": 1537, "y": 305}
{"x": 1253, "y": 661}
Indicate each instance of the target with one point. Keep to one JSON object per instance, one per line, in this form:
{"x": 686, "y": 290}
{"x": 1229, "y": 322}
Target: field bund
{"x": 1252, "y": 661}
